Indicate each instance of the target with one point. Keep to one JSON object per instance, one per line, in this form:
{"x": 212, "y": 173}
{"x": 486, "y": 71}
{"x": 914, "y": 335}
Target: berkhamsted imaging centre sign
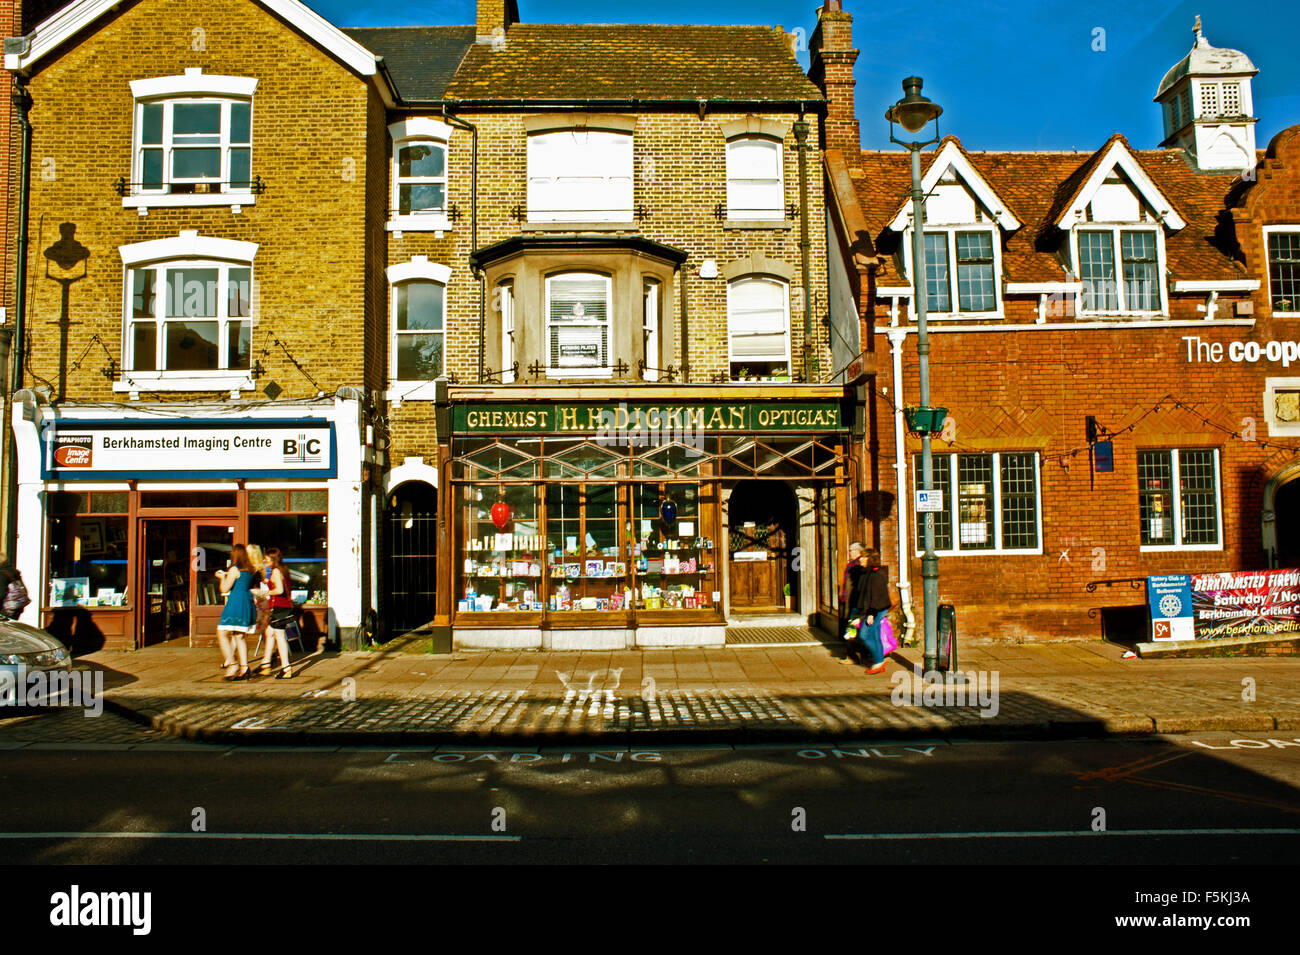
{"x": 180, "y": 448}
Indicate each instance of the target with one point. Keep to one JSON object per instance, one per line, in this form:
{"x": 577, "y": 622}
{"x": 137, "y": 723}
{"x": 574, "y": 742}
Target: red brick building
{"x": 1153, "y": 292}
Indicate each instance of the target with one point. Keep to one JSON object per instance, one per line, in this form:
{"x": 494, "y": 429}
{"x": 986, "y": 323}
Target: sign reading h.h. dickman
{"x": 246, "y": 447}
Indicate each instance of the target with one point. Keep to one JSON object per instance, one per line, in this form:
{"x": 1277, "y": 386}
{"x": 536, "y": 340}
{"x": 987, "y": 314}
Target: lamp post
{"x": 913, "y": 112}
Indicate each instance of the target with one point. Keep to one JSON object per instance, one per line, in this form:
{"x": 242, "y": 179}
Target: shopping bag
{"x": 851, "y": 630}
{"x": 888, "y": 642}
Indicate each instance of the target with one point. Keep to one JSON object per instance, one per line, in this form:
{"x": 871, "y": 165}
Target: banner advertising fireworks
{"x": 1244, "y": 604}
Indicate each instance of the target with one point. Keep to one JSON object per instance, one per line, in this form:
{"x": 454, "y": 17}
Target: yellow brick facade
{"x": 318, "y": 267}
{"x": 680, "y": 177}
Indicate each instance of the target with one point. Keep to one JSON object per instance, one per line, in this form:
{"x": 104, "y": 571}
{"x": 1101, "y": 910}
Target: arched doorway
{"x": 1282, "y": 517}
{"x": 763, "y": 523}
{"x": 411, "y": 543}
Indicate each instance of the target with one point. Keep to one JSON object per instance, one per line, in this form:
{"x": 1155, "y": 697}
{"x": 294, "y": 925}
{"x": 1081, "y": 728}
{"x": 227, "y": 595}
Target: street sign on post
{"x": 929, "y": 501}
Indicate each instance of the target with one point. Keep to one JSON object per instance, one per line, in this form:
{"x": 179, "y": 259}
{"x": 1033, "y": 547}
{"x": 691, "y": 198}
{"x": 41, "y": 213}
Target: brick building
{"x": 346, "y": 291}
{"x": 203, "y": 314}
{"x": 635, "y": 371}
{"x": 1147, "y": 291}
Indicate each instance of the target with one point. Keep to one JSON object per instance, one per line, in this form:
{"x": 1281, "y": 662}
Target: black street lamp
{"x": 913, "y": 112}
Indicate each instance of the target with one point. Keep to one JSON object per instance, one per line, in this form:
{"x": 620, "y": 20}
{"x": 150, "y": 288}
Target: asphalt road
{"x": 1219, "y": 798}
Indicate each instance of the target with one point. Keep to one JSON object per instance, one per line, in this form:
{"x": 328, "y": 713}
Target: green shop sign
{"x": 647, "y": 418}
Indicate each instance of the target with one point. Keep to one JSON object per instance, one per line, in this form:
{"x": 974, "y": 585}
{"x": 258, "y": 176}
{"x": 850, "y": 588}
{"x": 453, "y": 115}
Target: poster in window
{"x": 92, "y": 537}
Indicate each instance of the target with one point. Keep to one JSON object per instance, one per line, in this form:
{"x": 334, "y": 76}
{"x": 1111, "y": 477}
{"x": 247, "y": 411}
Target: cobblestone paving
{"x": 348, "y": 698}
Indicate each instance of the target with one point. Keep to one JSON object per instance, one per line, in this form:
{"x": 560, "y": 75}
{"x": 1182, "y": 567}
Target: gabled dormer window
{"x": 1129, "y": 283}
{"x": 961, "y": 268}
{"x": 964, "y": 224}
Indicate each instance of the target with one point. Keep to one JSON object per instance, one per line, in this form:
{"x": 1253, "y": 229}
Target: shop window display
{"x": 88, "y": 549}
{"x": 502, "y": 548}
{"x": 280, "y": 518}
{"x": 674, "y": 557}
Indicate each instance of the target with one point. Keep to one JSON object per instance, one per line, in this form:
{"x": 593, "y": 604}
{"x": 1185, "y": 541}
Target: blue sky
{"x": 1010, "y": 74}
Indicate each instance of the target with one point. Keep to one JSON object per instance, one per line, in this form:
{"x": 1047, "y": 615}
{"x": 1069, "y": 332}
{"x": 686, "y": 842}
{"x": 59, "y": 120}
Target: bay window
{"x": 578, "y": 325}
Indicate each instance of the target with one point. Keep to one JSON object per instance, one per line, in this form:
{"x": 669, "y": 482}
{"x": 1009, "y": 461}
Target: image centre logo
{"x": 1170, "y": 605}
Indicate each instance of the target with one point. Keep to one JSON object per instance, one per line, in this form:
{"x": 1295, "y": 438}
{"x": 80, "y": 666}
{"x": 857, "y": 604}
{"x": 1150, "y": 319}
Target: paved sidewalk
{"x": 734, "y": 695}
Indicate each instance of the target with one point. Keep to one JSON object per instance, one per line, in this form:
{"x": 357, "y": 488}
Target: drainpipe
{"x": 22, "y": 101}
{"x": 805, "y": 245}
{"x": 896, "y": 338}
{"x": 473, "y": 228}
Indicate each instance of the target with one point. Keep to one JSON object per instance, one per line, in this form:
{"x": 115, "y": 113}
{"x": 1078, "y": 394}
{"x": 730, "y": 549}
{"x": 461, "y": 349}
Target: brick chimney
{"x": 495, "y": 17}
{"x": 831, "y": 59}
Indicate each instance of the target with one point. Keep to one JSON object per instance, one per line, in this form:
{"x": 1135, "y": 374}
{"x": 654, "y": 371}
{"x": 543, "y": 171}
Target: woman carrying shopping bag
{"x": 872, "y": 606}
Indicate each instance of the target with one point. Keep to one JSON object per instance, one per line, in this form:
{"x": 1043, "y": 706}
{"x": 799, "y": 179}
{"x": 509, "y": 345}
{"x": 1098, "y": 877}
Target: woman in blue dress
{"x": 239, "y": 618}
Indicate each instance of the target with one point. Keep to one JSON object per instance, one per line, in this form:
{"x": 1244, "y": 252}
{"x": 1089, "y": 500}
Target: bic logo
{"x": 303, "y": 450}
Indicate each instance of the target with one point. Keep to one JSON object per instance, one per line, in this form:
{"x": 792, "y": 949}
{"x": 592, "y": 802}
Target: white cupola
{"x": 1207, "y": 106}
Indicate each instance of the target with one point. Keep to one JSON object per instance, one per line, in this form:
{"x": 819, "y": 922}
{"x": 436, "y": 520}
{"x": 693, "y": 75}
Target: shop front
{"x": 127, "y": 513}
{"x": 593, "y": 522}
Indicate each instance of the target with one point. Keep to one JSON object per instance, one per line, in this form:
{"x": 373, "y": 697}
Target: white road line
{"x": 307, "y": 836}
{"x": 1053, "y": 834}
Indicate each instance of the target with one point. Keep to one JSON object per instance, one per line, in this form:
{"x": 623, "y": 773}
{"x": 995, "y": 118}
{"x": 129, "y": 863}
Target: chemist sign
{"x": 183, "y": 448}
{"x": 1170, "y": 598}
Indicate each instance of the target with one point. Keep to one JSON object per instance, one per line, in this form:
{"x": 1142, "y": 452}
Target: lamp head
{"x": 913, "y": 111}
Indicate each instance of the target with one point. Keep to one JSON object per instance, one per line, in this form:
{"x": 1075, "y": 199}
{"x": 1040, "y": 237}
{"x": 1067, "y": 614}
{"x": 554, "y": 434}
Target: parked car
{"x": 23, "y": 650}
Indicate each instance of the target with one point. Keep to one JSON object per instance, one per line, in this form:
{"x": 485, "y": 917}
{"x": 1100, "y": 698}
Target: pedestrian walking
{"x": 260, "y": 598}
{"x": 872, "y": 604}
{"x": 239, "y": 616}
{"x": 846, "y": 584}
{"x": 13, "y": 592}
{"x": 283, "y": 613}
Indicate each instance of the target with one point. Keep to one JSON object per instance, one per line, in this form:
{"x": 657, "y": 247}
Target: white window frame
{"x": 186, "y": 250}
{"x": 785, "y": 303}
{"x": 1116, "y": 252}
{"x": 951, "y": 499}
{"x": 540, "y": 186}
{"x": 413, "y": 132}
{"x": 1268, "y": 269}
{"x": 776, "y": 213}
{"x": 418, "y": 269}
{"x": 950, "y": 233}
{"x": 1176, "y": 511}
{"x": 650, "y": 298}
{"x": 581, "y": 371}
{"x": 506, "y": 304}
{"x": 194, "y": 87}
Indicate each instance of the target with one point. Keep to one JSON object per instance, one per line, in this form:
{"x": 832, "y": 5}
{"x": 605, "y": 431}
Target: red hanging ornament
{"x": 501, "y": 515}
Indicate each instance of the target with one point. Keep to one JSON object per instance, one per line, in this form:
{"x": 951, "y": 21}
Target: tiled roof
{"x": 421, "y": 60}
{"x": 1037, "y": 186}
{"x": 649, "y": 63}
